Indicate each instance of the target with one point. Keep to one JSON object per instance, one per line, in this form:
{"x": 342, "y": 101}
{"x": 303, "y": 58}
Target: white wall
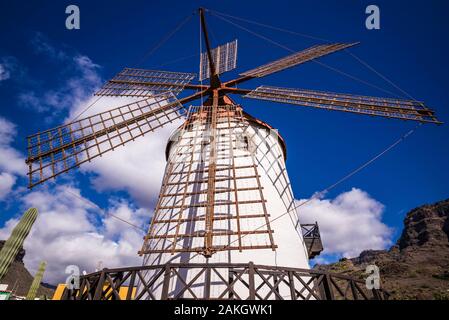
{"x": 269, "y": 157}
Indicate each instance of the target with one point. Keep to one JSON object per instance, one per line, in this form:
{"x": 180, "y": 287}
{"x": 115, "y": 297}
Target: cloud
{"x": 87, "y": 68}
{"x": 81, "y": 79}
{"x": 7, "y": 131}
{"x": 41, "y": 44}
{"x": 11, "y": 69}
{"x": 11, "y": 160}
{"x": 349, "y": 224}
{"x": 12, "y": 163}
{"x": 7, "y": 181}
{"x": 137, "y": 167}
{"x": 69, "y": 231}
{"x": 8, "y": 67}
{"x": 74, "y": 90}
{"x": 4, "y": 72}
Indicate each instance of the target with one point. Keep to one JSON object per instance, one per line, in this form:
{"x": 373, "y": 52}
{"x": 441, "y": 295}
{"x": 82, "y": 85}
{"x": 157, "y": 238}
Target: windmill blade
{"x": 382, "y": 107}
{"x": 295, "y": 59}
{"x": 224, "y": 58}
{"x": 145, "y": 83}
{"x": 58, "y": 150}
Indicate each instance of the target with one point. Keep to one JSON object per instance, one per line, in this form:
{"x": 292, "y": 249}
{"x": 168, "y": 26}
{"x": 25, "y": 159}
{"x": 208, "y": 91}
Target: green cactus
{"x": 36, "y": 281}
{"x": 15, "y": 241}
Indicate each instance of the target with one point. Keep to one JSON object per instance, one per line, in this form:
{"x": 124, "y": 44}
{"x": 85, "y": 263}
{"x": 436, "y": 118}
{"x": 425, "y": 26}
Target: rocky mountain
{"x": 19, "y": 279}
{"x": 417, "y": 267}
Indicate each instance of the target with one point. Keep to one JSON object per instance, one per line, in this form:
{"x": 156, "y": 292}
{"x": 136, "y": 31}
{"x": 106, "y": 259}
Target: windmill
{"x": 225, "y": 184}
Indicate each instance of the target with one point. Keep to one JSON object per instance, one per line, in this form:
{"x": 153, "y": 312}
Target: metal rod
{"x": 211, "y": 176}
{"x": 214, "y": 79}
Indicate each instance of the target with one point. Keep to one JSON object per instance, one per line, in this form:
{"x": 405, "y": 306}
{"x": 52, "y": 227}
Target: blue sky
{"x": 410, "y": 49}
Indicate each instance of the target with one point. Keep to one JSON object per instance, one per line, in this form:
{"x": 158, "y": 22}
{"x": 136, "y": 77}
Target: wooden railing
{"x": 220, "y": 281}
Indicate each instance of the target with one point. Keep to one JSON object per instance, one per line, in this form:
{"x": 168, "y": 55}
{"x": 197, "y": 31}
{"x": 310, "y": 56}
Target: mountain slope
{"x": 19, "y": 278}
{"x": 417, "y": 267}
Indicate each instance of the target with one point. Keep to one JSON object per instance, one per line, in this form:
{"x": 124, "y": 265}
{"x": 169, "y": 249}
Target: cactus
{"x": 15, "y": 241}
{"x": 36, "y": 281}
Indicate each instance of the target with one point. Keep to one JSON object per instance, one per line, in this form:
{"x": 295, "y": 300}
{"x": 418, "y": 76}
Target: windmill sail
{"x": 295, "y": 59}
{"x": 224, "y": 58}
{"x": 58, "y": 150}
{"x": 382, "y": 107}
{"x": 145, "y": 83}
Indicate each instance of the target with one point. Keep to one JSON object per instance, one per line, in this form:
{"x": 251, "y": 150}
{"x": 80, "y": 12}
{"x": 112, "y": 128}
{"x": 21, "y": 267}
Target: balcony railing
{"x": 220, "y": 281}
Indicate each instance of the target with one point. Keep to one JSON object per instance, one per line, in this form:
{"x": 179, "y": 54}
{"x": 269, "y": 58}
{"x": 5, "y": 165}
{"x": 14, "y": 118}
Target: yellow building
{"x": 123, "y": 291}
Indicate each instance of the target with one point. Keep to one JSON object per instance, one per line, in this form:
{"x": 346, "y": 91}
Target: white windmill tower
{"x": 226, "y": 199}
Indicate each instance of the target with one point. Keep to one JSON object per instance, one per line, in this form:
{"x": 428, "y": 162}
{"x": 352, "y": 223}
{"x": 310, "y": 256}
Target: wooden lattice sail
{"x": 143, "y": 83}
{"x": 58, "y": 150}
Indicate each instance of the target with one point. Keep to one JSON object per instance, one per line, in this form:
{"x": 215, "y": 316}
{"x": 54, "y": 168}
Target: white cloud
{"x": 7, "y": 181}
{"x": 8, "y": 68}
{"x": 349, "y": 224}
{"x": 42, "y": 45}
{"x": 68, "y": 231}
{"x": 12, "y": 163}
{"x": 87, "y": 68}
{"x": 4, "y": 72}
{"x": 137, "y": 167}
{"x": 81, "y": 80}
{"x": 7, "y": 131}
{"x": 11, "y": 160}
{"x": 73, "y": 91}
